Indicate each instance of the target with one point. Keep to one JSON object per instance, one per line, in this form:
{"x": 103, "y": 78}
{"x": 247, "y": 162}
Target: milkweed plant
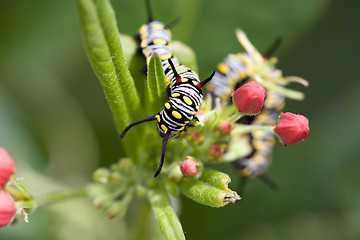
{"x": 216, "y": 136}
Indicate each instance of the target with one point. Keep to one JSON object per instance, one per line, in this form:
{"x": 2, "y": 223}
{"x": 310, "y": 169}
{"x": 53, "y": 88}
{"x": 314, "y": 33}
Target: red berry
{"x": 292, "y": 128}
{"x": 190, "y": 168}
{"x": 249, "y": 98}
{"x": 7, "y": 209}
{"x": 7, "y": 167}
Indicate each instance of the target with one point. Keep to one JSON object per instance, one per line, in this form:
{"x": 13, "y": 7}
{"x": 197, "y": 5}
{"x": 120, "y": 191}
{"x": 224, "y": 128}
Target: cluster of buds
{"x": 7, "y": 203}
{"x": 114, "y": 188}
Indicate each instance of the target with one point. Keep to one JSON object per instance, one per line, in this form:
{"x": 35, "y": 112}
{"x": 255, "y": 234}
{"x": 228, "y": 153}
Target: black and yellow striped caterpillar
{"x": 184, "y": 85}
{"x": 231, "y": 74}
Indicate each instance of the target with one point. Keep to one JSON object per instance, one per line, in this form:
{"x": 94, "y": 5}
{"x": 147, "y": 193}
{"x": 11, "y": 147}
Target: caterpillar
{"x": 230, "y": 74}
{"x": 184, "y": 85}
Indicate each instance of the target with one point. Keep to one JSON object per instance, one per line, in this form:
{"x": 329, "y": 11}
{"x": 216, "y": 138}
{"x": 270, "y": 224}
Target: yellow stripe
{"x": 143, "y": 43}
{"x": 165, "y": 56}
{"x": 175, "y": 95}
{"x": 164, "y": 128}
{"x": 195, "y": 74}
{"x": 187, "y": 100}
{"x": 195, "y": 82}
{"x": 159, "y": 41}
{"x": 146, "y": 52}
{"x": 158, "y": 118}
{"x": 176, "y": 114}
{"x": 167, "y": 105}
{"x": 143, "y": 29}
{"x": 182, "y": 71}
{"x": 245, "y": 172}
{"x": 223, "y": 68}
{"x": 184, "y": 79}
{"x": 157, "y": 26}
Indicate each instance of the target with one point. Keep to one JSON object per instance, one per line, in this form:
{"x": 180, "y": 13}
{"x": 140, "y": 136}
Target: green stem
{"x": 20, "y": 191}
{"x": 242, "y": 129}
{"x": 50, "y": 198}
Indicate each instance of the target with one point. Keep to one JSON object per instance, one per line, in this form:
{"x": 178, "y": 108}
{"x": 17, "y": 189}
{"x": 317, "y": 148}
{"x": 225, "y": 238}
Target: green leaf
{"x": 168, "y": 221}
{"x": 106, "y": 56}
{"x": 156, "y": 84}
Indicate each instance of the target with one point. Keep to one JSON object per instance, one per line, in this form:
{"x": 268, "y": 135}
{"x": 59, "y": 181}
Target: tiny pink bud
{"x": 224, "y": 127}
{"x": 292, "y": 128}
{"x": 249, "y": 98}
{"x": 197, "y": 137}
{"x": 7, "y": 167}
{"x": 7, "y": 209}
{"x": 216, "y": 150}
{"x": 190, "y": 168}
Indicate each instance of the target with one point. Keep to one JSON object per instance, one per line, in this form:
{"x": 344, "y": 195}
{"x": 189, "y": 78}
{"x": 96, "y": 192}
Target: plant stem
{"x": 241, "y": 129}
{"x": 50, "y": 198}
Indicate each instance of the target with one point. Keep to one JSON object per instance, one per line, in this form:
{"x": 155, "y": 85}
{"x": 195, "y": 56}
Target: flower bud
{"x": 197, "y": 137}
{"x": 224, "y": 127}
{"x": 292, "y": 128}
{"x": 249, "y": 98}
{"x": 216, "y": 150}
{"x": 190, "y": 168}
{"x": 7, "y": 167}
{"x": 7, "y": 209}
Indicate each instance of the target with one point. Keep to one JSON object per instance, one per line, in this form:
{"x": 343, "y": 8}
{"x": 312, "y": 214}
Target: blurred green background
{"x": 55, "y": 122}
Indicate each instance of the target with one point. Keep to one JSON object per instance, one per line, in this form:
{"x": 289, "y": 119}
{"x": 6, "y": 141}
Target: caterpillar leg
{"x": 165, "y": 141}
{"x": 271, "y": 184}
{"x": 151, "y": 118}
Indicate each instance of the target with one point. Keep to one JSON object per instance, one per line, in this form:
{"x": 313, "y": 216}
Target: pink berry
{"x": 7, "y": 209}
{"x": 7, "y": 167}
{"x": 249, "y": 98}
{"x": 292, "y": 128}
{"x": 190, "y": 168}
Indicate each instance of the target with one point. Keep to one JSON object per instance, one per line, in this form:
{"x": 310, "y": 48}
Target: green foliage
{"x": 54, "y": 116}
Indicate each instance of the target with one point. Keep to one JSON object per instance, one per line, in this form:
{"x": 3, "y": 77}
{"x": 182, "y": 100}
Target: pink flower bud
{"x": 249, "y": 98}
{"x": 216, "y": 150}
{"x": 224, "y": 127}
{"x": 190, "y": 168}
{"x": 197, "y": 137}
{"x": 292, "y": 128}
{"x": 7, "y": 167}
{"x": 7, "y": 209}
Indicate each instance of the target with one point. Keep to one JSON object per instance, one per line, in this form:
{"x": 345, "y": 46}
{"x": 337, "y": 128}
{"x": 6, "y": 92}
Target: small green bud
{"x": 102, "y": 201}
{"x": 116, "y": 209}
{"x": 101, "y": 175}
{"x": 116, "y": 177}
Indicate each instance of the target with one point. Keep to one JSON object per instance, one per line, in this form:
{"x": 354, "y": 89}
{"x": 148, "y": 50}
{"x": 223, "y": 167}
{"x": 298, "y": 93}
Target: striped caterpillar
{"x": 230, "y": 74}
{"x": 185, "y": 87}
